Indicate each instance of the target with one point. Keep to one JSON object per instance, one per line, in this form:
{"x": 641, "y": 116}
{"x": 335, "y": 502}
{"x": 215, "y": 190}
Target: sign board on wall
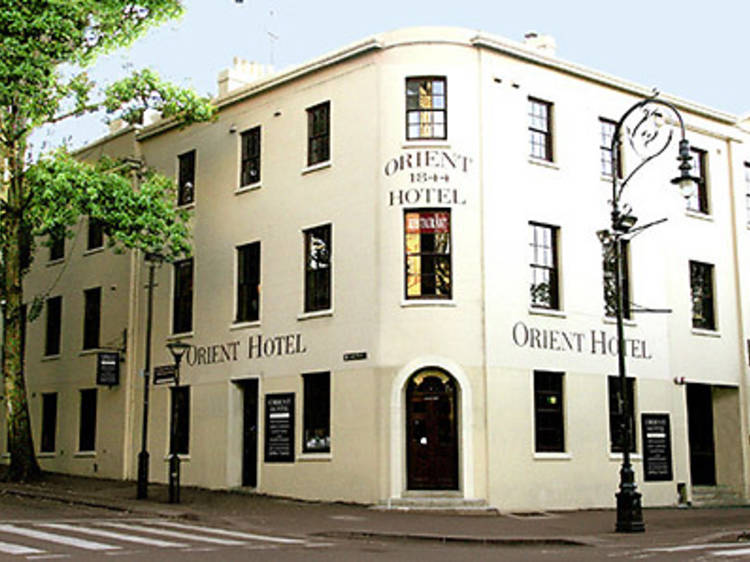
{"x": 108, "y": 368}
{"x": 279, "y": 427}
{"x": 657, "y": 447}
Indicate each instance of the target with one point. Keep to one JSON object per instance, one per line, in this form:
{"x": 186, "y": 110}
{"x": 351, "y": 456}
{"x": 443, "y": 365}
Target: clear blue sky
{"x": 697, "y": 51}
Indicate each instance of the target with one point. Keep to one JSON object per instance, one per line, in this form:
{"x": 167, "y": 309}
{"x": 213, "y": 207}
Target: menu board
{"x": 657, "y": 447}
{"x": 279, "y": 428}
{"x": 108, "y": 368}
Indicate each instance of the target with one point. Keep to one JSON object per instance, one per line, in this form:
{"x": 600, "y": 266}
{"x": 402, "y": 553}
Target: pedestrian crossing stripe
{"x": 58, "y": 539}
{"x": 112, "y": 535}
{"x": 7, "y": 548}
{"x": 174, "y": 534}
{"x": 235, "y": 534}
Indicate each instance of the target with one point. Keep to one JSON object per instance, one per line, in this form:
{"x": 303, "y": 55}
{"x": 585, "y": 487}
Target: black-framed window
{"x": 186, "y": 179}
{"x": 92, "y": 312}
{"x": 250, "y": 155}
{"x": 698, "y": 200}
{"x": 427, "y": 246}
{"x": 316, "y": 413}
{"x": 549, "y": 424}
{"x": 180, "y": 410}
{"x": 747, "y": 191}
{"x": 53, "y": 327}
{"x": 609, "y": 265}
{"x": 95, "y": 234}
{"x": 248, "y": 282}
{"x": 318, "y": 254}
{"x": 182, "y": 297}
{"x": 426, "y": 109}
{"x": 87, "y": 421}
{"x": 606, "y": 132}
{"x": 57, "y": 246}
{"x": 544, "y": 283}
{"x": 540, "y": 129}
{"x": 49, "y": 422}
{"x": 702, "y": 295}
{"x": 617, "y": 414}
{"x": 319, "y": 133}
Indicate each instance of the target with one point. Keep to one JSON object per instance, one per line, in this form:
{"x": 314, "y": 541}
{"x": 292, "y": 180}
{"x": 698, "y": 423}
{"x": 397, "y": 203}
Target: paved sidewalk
{"x": 297, "y": 518}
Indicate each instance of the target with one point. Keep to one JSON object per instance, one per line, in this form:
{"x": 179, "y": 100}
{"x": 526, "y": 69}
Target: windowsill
{"x": 183, "y": 458}
{"x": 186, "y": 206}
{"x": 84, "y": 455}
{"x": 172, "y": 337}
{"x": 58, "y": 261}
{"x": 618, "y": 457}
{"x": 50, "y": 358}
{"x": 316, "y": 314}
{"x": 547, "y": 312}
{"x": 409, "y": 303}
{"x": 92, "y": 351}
{"x": 553, "y": 457}
{"x": 543, "y": 163}
{"x": 48, "y": 455}
{"x": 244, "y": 325}
{"x": 92, "y": 251}
{"x": 315, "y": 167}
{"x": 705, "y": 333}
{"x": 425, "y": 143}
{"x": 248, "y": 187}
{"x": 698, "y": 215}
{"x": 625, "y": 321}
{"x": 315, "y": 457}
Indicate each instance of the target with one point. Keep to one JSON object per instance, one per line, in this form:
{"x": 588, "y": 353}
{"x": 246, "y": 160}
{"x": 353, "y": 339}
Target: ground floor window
{"x": 317, "y": 413}
{"x": 87, "y": 426}
{"x": 548, "y": 412}
{"x": 617, "y": 414}
{"x": 49, "y": 422}
{"x": 181, "y": 419}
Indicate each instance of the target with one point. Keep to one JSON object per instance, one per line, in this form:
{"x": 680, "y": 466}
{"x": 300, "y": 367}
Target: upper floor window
{"x": 318, "y": 253}
{"x": 606, "y": 132}
{"x": 426, "y": 116}
{"x": 57, "y": 246}
{"x": 544, "y": 267}
{"x": 698, "y": 200}
{"x": 186, "y": 180}
{"x": 319, "y": 133}
{"x": 702, "y": 294}
{"x": 182, "y": 298}
{"x": 95, "y": 238}
{"x": 250, "y": 167}
{"x": 609, "y": 266}
{"x": 540, "y": 129}
{"x": 549, "y": 426}
{"x": 248, "y": 282}
{"x": 54, "y": 326}
{"x": 747, "y": 191}
{"x": 91, "y": 317}
{"x": 427, "y": 242}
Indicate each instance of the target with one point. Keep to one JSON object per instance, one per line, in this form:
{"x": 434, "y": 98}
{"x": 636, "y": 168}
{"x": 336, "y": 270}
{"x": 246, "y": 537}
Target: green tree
{"x": 41, "y": 41}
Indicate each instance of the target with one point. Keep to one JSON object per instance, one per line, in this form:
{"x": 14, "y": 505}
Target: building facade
{"x": 397, "y": 290}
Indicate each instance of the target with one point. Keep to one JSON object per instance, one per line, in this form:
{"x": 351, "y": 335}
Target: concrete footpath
{"x": 336, "y": 520}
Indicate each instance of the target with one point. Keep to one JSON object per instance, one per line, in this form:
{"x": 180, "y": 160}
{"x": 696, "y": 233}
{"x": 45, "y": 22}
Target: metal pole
{"x": 143, "y": 456}
{"x": 174, "y": 457}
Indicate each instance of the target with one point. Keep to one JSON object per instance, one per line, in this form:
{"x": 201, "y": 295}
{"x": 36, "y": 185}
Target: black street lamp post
{"x": 648, "y": 141}
{"x": 143, "y": 457}
{"x": 177, "y": 349}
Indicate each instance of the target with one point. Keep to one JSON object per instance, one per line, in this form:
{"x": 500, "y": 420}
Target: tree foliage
{"x": 46, "y": 46}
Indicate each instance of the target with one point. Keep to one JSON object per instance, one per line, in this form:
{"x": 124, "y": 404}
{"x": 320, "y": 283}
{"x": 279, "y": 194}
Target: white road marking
{"x": 689, "y": 547}
{"x": 235, "y": 534}
{"x": 175, "y": 534}
{"x": 9, "y": 548}
{"x": 112, "y": 535}
{"x": 59, "y": 539}
{"x": 735, "y": 552}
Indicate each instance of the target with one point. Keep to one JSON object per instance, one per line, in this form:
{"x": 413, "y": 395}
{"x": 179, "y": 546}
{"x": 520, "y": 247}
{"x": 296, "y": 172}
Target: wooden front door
{"x": 432, "y": 431}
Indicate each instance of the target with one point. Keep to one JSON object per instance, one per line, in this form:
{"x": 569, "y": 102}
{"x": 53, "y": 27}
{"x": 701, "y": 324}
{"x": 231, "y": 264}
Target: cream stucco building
{"x": 367, "y": 229}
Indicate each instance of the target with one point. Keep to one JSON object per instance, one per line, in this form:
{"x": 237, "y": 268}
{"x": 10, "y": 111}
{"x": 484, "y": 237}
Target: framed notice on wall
{"x": 279, "y": 427}
{"x": 657, "y": 447}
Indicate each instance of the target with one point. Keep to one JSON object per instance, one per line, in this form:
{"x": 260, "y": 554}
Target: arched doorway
{"x": 432, "y": 431}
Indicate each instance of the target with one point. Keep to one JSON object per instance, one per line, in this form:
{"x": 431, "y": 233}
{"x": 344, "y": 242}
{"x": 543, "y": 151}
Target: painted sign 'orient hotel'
{"x": 397, "y": 290}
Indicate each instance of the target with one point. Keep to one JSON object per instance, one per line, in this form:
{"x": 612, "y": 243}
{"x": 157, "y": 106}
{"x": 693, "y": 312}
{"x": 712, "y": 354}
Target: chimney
{"x": 241, "y": 74}
{"x": 545, "y": 44}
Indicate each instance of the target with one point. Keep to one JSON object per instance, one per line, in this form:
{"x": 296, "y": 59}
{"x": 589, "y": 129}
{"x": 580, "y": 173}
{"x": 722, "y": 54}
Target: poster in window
{"x": 279, "y": 427}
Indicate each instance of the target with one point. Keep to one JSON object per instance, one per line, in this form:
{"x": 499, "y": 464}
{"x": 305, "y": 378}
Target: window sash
{"x": 617, "y": 412}
{"x": 698, "y": 200}
{"x": 427, "y": 251}
{"x": 87, "y": 427}
{"x": 186, "y": 180}
{"x": 317, "y": 413}
{"x": 540, "y": 130}
{"x": 544, "y": 285}
{"x": 318, "y": 133}
{"x": 54, "y": 325}
{"x": 92, "y": 317}
{"x": 318, "y": 253}
{"x": 57, "y": 246}
{"x": 426, "y": 108}
{"x": 248, "y": 282}
{"x": 250, "y": 166}
{"x": 182, "y": 307}
{"x": 549, "y": 426}
{"x": 95, "y": 237}
{"x": 702, "y": 295}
